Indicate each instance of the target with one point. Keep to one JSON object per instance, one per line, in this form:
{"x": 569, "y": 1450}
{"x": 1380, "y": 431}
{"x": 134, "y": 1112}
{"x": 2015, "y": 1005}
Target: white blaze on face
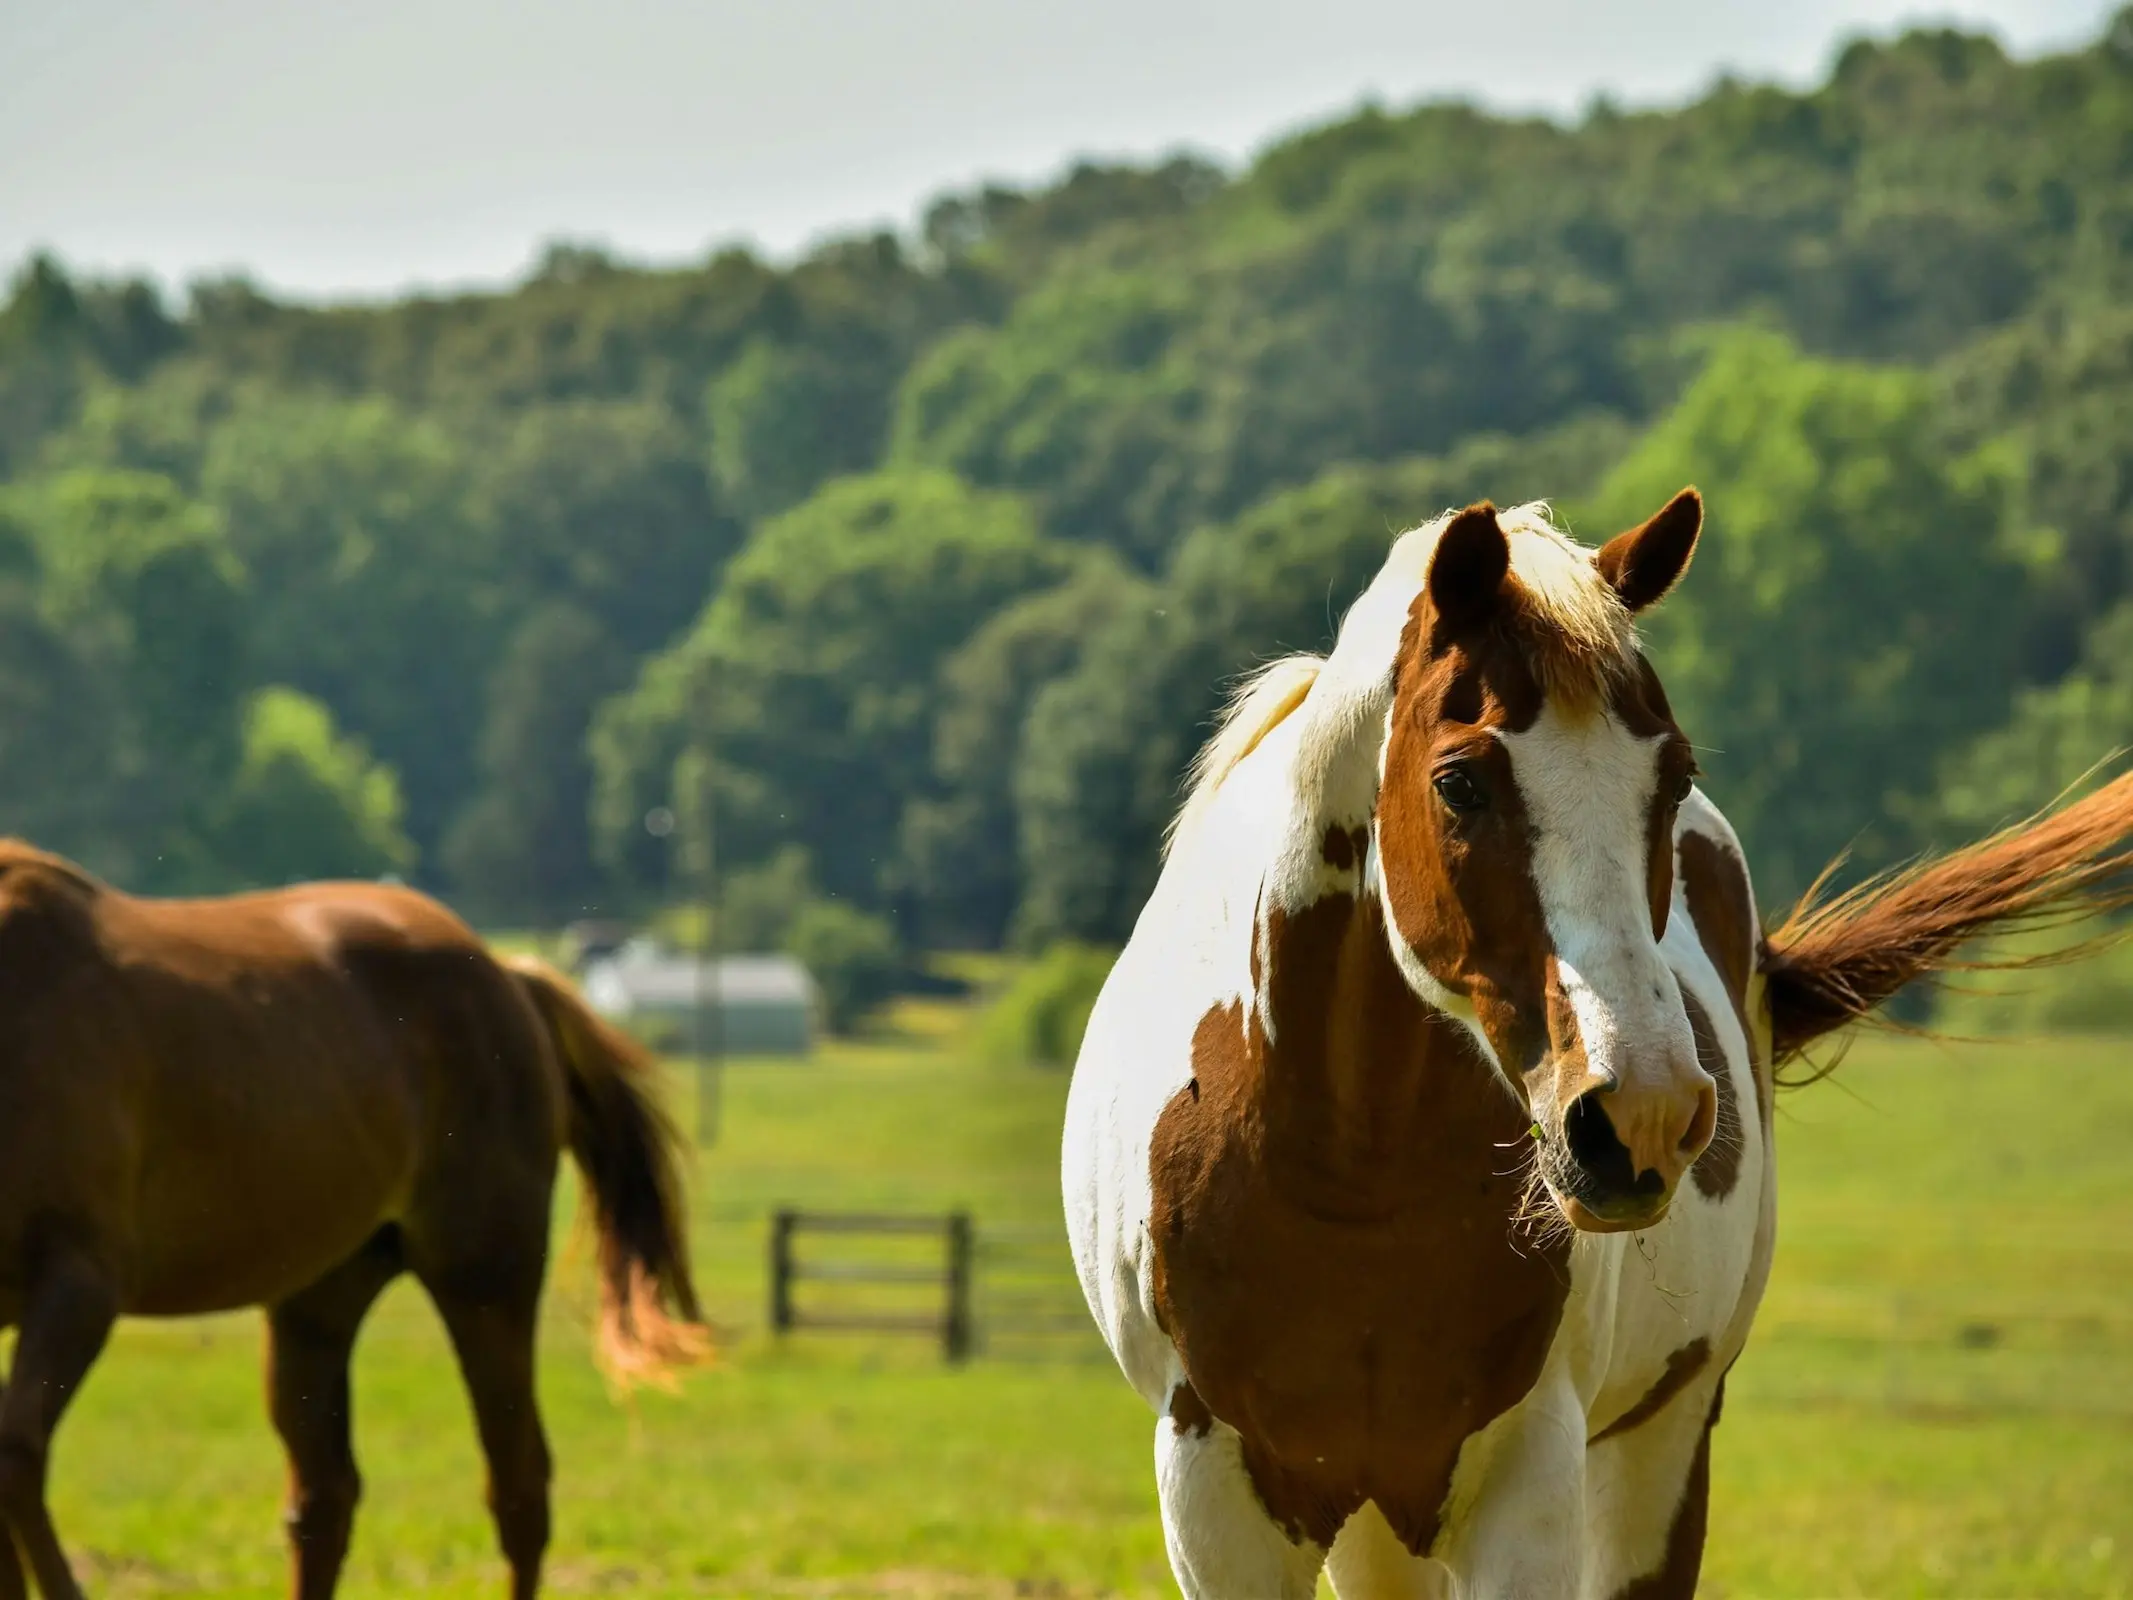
{"x": 1588, "y": 785}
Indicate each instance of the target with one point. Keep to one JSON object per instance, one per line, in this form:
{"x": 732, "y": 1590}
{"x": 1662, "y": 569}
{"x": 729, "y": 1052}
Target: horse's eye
{"x": 1685, "y": 788}
{"x": 1456, "y": 787}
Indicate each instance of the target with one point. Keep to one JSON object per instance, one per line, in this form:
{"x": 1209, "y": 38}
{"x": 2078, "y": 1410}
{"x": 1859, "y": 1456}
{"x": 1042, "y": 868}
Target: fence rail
{"x": 952, "y": 1324}
{"x": 1006, "y": 1291}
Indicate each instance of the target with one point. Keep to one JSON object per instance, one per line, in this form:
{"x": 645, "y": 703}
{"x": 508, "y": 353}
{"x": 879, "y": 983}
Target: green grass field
{"x": 1938, "y": 1400}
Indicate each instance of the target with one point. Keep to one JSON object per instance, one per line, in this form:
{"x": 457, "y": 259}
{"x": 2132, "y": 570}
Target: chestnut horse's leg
{"x": 13, "y": 1586}
{"x": 310, "y": 1336}
{"x": 65, "y": 1320}
{"x": 491, "y": 1323}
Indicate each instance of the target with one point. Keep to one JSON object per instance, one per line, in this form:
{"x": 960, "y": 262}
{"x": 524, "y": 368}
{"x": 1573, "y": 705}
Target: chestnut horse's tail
{"x": 1833, "y": 961}
{"x": 627, "y": 1151}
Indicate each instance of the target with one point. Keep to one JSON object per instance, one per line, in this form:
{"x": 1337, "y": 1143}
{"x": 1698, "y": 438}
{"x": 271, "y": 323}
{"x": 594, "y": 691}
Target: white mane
{"x": 1559, "y": 588}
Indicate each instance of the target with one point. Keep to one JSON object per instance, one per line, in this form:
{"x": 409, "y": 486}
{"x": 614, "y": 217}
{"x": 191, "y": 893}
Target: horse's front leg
{"x": 1517, "y": 1525}
{"x": 66, "y": 1317}
{"x": 1222, "y": 1543}
{"x": 13, "y": 1585}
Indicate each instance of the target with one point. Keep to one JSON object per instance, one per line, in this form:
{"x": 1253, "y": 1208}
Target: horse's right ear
{"x": 1466, "y": 571}
{"x": 1644, "y": 563}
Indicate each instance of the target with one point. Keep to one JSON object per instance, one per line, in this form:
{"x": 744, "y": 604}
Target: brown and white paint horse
{"x": 1449, "y": 952}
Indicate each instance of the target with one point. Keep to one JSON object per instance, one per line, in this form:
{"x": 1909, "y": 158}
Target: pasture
{"x": 1938, "y": 1399}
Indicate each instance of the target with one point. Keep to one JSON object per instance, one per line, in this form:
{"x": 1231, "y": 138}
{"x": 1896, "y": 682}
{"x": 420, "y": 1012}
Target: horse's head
{"x": 1530, "y": 778}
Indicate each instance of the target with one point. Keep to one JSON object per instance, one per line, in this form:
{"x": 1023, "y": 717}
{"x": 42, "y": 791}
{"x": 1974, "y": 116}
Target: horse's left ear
{"x": 1644, "y": 563}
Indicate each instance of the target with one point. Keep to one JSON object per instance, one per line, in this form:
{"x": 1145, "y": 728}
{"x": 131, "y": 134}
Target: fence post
{"x": 955, "y": 1327}
{"x": 781, "y": 1227}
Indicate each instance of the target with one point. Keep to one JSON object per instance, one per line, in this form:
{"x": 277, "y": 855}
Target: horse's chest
{"x": 1354, "y": 1352}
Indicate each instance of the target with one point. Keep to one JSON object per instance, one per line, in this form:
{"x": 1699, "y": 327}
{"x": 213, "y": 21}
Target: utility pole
{"x": 710, "y": 1030}
{"x": 710, "y": 1017}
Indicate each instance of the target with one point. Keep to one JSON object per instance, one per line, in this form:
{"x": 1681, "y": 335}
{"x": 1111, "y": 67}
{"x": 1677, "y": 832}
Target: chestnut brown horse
{"x": 287, "y": 1099}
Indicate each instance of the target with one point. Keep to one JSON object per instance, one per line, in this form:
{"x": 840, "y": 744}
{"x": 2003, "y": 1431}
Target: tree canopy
{"x": 896, "y": 585}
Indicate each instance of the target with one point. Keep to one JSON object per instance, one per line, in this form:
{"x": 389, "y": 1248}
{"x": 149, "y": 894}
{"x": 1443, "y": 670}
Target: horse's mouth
{"x": 1593, "y": 1206}
{"x": 1617, "y": 1220}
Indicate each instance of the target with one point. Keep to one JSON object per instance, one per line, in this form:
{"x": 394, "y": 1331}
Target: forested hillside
{"x": 906, "y": 576}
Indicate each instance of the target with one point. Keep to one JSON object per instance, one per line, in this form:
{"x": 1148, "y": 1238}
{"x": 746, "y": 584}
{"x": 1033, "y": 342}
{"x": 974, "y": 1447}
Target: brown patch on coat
{"x": 1342, "y": 848}
{"x": 1677, "y": 1576}
{"x": 1334, "y": 1251}
{"x": 1640, "y": 704}
{"x": 1337, "y": 850}
{"x": 1717, "y": 1170}
{"x": 1461, "y": 889}
{"x": 1714, "y": 881}
{"x": 1188, "y": 1412}
{"x": 1681, "y": 1369}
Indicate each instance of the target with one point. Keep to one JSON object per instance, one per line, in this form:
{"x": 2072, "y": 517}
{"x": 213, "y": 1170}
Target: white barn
{"x": 752, "y": 1005}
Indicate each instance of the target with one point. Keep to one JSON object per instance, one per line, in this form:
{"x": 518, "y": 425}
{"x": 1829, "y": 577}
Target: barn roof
{"x": 642, "y": 974}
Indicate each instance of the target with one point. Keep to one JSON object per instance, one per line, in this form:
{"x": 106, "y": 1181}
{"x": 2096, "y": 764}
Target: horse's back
{"x": 233, "y": 1094}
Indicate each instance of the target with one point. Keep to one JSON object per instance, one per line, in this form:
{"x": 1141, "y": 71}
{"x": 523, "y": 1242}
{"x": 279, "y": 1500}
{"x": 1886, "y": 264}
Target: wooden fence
{"x": 1029, "y": 1303}
{"x": 952, "y": 1324}
{"x": 1008, "y": 1290}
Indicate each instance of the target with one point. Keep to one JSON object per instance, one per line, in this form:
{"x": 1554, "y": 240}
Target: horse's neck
{"x": 1328, "y": 758}
{"x": 1366, "y": 1090}
{"x": 1368, "y": 1096}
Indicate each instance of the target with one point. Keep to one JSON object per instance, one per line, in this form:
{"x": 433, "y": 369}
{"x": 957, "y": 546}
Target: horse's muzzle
{"x": 1620, "y": 1155}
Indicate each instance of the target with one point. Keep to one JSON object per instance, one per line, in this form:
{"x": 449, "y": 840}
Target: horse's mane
{"x": 1570, "y": 619}
{"x": 1254, "y": 709}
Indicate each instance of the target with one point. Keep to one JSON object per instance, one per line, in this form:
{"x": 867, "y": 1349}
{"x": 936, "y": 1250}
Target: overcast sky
{"x": 330, "y": 150}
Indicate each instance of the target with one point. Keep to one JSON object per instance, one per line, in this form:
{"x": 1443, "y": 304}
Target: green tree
{"x": 1847, "y": 620}
{"x": 2059, "y": 738}
{"x": 962, "y": 856}
{"x": 56, "y": 725}
{"x": 637, "y": 742}
{"x": 522, "y": 850}
{"x": 758, "y": 905}
{"x": 2053, "y": 390}
{"x": 812, "y": 677}
{"x": 1140, "y": 354}
{"x": 853, "y": 957}
{"x": 128, "y": 554}
{"x": 307, "y": 802}
{"x": 44, "y": 359}
{"x": 1039, "y": 1019}
{"x": 375, "y": 584}
{"x": 158, "y": 424}
{"x": 144, "y": 587}
{"x": 1022, "y": 234}
{"x": 603, "y": 504}
{"x": 782, "y": 421}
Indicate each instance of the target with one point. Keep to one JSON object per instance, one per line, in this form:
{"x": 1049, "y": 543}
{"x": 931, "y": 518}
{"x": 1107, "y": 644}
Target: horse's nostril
{"x": 1703, "y": 1122}
{"x": 1589, "y": 1134}
{"x": 1605, "y": 1168}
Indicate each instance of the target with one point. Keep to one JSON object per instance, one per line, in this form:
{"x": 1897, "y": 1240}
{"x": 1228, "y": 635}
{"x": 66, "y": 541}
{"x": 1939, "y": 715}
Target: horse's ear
{"x": 1466, "y": 571}
{"x": 1644, "y": 563}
